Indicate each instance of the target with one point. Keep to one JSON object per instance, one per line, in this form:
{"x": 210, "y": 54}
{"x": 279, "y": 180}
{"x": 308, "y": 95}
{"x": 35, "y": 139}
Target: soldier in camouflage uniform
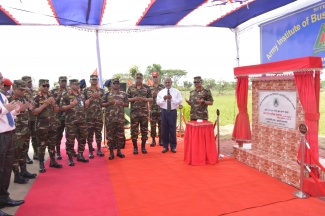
{"x": 57, "y": 94}
{"x": 139, "y": 95}
{"x": 46, "y": 124}
{"x": 30, "y": 94}
{"x": 94, "y": 115}
{"x": 199, "y": 101}
{"x": 21, "y": 133}
{"x": 115, "y": 101}
{"x": 155, "y": 115}
{"x": 75, "y": 106}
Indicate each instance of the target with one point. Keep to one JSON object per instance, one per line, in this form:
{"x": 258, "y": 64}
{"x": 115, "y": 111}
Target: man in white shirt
{"x": 168, "y": 99}
{"x": 7, "y": 148}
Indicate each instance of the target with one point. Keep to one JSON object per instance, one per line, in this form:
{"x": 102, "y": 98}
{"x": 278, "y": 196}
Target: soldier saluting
{"x": 75, "y": 106}
{"x": 115, "y": 101}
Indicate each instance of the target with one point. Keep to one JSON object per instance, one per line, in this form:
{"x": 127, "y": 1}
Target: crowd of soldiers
{"x": 79, "y": 112}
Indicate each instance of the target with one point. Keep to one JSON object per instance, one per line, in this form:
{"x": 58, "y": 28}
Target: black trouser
{"x": 168, "y": 128}
{"x": 7, "y": 151}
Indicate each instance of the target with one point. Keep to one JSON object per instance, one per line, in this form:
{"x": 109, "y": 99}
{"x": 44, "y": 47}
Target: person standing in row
{"x": 200, "y": 99}
{"x": 21, "y": 133}
{"x": 60, "y": 116}
{"x": 169, "y": 99}
{"x": 115, "y": 101}
{"x": 94, "y": 115}
{"x": 155, "y": 113}
{"x": 6, "y": 87}
{"x": 7, "y": 148}
{"x": 139, "y": 95}
{"x": 46, "y": 124}
{"x": 75, "y": 120}
{"x": 30, "y": 94}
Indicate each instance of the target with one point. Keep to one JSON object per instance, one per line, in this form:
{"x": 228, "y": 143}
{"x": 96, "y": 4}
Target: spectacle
{"x": 197, "y": 82}
{"x": 154, "y": 77}
{"x": 46, "y": 86}
{"x": 116, "y": 83}
{"x": 94, "y": 79}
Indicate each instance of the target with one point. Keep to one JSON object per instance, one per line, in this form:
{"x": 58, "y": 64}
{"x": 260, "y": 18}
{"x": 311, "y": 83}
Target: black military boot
{"x": 74, "y": 153}
{"x": 24, "y": 173}
{"x": 35, "y": 155}
{"x": 28, "y": 160}
{"x": 41, "y": 166}
{"x": 99, "y": 152}
{"x": 53, "y": 163}
{"x": 135, "y": 147}
{"x": 119, "y": 153}
{"x": 153, "y": 143}
{"x": 70, "y": 159}
{"x": 81, "y": 158}
{"x": 143, "y": 147}
{"x": 58, "y": 153}
{"x": 18, "y": 178}
{"x": 91, "y": 149}
{"x": 111, "y": 153}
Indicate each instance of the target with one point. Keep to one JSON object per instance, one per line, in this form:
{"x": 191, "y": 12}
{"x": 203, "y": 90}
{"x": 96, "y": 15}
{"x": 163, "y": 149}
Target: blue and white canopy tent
{"x": 121, "y": 15}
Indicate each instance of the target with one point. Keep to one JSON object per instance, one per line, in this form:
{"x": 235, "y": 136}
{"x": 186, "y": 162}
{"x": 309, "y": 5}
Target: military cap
{"x": 93, "y": 77}
{"x": 197, "y": 78}
{"x": 7, "y": 82}
{"x": 62, "y": 78}
{"x": 20, "y": 84}
{"x": 107, "y": 83}
{"x": 27, "y": 78}
{"x": 43, "y": 81}
{"x": 74, "y": 81}
{"x": 115, "y": 80}
{"x": 154, "y": 73}
{"x": 139, "y": 75}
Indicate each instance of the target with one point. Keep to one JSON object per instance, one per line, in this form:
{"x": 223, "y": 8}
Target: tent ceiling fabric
{"x": 132, "y": 14}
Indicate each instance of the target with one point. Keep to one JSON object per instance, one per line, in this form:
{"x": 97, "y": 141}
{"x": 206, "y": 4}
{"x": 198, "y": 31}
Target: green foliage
{"x": 187, "y": 84}
{"x": 174, "y": 74}
{"x": 154, "y": 68}
{"x": 134, "y": 70}
{"x": 209, "y": 83}
{"x": 124, "y": 77}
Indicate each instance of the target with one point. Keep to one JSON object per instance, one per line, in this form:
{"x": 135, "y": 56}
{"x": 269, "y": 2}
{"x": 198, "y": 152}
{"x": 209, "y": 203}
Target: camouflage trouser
{"x": 21, "y": 149}
{"x": 154, "y": 119}
{"x": 72, "y": 131}
{"x": 115, "y": 134}
{"x": 143, "y": 122}
{"x": 33, "y": 135}
{"x": 59, "y": 132}
{"x": 46, "y": 138}
{"x": 94, "y": 126}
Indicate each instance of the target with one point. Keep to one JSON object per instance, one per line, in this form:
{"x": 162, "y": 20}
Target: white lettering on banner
{"x": 277, "y": 108}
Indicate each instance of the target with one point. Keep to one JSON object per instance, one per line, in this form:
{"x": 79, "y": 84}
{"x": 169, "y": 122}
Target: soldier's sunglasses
{"x": 116, "y": 83}
{"x": 46, "y": 86}
{"x": 196, "y": 82}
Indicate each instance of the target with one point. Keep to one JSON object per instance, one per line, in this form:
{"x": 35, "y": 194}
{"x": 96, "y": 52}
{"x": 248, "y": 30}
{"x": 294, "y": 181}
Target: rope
{"x": 314, "y": 158}
{"x": 316, "y": 180}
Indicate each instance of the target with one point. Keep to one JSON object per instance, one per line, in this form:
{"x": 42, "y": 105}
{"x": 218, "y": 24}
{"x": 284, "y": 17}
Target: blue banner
{"x": 298, "y": 34}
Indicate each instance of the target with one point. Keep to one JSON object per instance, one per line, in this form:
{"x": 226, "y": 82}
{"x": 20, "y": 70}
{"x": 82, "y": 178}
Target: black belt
{"x": 168, "y": 110}
{"x": 7, "y": 132}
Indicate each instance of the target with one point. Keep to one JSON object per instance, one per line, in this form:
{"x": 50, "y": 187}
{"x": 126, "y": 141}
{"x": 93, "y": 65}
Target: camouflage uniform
{"x": 155, "y": 115}
{"x": 199, "y": 110}
{"x": 21, "y": 136}
{"x": 60, "y": 116}
{"x": 30, "y": 94}
{"x": 94, "y": 116}
{"x": 75, "y": 121}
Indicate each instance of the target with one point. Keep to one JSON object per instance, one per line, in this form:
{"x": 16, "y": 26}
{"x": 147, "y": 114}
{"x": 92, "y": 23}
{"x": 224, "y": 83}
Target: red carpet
{"x": 84, "y": 189}
{"x": 163, "y": 184}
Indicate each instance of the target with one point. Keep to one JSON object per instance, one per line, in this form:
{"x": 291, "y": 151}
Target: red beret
{"x": 154, "y": 73}
{"x": 7, "y": 82}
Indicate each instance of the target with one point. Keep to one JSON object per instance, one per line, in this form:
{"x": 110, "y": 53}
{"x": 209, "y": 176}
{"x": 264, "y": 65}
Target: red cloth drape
{"x": 307, "y": 95}
{"x": 242, "y": 129}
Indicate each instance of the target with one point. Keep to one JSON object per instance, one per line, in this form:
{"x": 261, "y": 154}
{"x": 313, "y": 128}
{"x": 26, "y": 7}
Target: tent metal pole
{"x": 237, "y": 48}
{"x": 99, "y": 64}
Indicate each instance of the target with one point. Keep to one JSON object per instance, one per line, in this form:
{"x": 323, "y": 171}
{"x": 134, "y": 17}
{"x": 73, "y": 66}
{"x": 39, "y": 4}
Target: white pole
{"x": 99, "y": 64}
{"x": 237, "y": 49}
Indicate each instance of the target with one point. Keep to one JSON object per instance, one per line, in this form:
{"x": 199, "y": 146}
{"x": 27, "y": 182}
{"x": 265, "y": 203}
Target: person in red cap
{"x": 155, "y": 109}
{"x": 6, "y": 86}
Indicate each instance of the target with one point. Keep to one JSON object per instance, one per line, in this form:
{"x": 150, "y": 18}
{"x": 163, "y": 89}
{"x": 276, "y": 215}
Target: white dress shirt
{"x": 175, "y": 101}
{"x": 4, "y": 125}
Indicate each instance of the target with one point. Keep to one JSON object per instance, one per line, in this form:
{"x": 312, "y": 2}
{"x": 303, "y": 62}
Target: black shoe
{"x": 111, "y": 153}
{"x": 41, "y": 166}
{"x": 164, "y": 150}
{"x": 70, "y": 159}
{"x": 58, "y": 153}
{"x": 99, "y": 152}
{"x": 24, "y": 173}
{"x": 28, "y": 160}
{"x": 54, "y": 164}
{"x": 81, "y": 158}
{"x": 91, "y": 155}
{"x": 153, "y": 143}
{"x": 119, "y": 153}
{"x": 75, "y": 154}
{"x": 173, "y": 150}
{"x": 4, "y": 214}
{"x": 11, "y": 202}
{"x": 19, "y": 178}
{"x": 35, "y": 156}
{"x": 143, "y": 147}
{"x": 135, "y": 147}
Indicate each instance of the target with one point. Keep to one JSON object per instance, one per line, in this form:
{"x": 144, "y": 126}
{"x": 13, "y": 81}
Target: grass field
{"x": 228, "y": 109}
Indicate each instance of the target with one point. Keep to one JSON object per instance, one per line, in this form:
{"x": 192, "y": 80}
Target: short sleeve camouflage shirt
{"x": 47, "y": 118}
{"x": 115, "y": 113}
{"x": 199, "y": 110}
{"x": 77, "y": 114}
{"x": 139, "y": 108}
{"x": 154, "y": 108}
{"x": 94, "y": 111}
{"x": 22, "y": 119}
